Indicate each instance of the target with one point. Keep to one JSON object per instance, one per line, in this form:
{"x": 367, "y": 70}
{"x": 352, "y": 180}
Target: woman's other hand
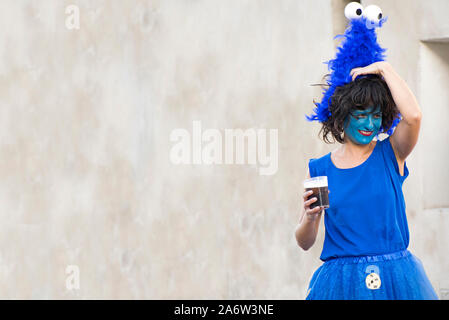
{"x": 373, "y": 68}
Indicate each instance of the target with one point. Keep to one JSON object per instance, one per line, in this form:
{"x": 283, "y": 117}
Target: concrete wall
{"x": 89, "y": 190}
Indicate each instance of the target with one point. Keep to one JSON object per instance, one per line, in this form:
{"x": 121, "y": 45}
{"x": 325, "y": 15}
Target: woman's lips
{"x": 365, "y": 133}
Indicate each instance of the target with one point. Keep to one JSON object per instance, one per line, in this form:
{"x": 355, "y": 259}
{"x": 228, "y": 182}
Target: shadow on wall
{"x": 434, "y": 98}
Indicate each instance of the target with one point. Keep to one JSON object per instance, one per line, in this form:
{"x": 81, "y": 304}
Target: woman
{"x": 366, "y": 233}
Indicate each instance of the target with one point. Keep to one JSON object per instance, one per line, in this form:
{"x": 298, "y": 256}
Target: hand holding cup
{"x": 317, "y": 188}
{"x": 311, "y": 214}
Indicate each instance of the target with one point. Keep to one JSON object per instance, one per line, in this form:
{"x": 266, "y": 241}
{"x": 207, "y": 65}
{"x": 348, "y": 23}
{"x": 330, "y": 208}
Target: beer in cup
{"x": 319, "y": 187}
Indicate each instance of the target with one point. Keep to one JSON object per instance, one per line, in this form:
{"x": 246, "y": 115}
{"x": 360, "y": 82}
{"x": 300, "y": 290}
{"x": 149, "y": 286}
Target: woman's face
{"x": 363, "y": 125}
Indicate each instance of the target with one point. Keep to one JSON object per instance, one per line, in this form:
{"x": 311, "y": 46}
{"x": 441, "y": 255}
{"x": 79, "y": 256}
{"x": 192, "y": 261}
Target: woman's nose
{"x": 370, "y": 122}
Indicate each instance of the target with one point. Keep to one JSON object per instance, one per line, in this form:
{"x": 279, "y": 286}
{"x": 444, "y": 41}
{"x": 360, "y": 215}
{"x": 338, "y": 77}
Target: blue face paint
{"x": 363, "y": 125}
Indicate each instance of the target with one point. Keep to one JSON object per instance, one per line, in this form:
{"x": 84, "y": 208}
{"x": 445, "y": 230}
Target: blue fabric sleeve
{"x": 312, "y": 167}
{"x": 388, "y": 150}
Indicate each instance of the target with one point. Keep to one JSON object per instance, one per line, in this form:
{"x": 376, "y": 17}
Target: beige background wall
{"x": 87, "y": 183}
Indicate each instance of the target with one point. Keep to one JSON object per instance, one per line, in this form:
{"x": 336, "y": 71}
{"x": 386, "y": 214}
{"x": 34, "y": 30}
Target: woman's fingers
{"x": 355, "y": 75}
{"x": 307, "y": 194}
{"x": 309, "y": 202}
{"x": 314, "y": 210}
{"x": 353, "y": 70}
{"x": 373, "y": 68}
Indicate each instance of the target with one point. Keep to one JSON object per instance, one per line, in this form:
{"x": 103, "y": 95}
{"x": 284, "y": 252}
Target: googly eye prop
{"x": 372, "y": 14}
{"x": 359, "y": 48}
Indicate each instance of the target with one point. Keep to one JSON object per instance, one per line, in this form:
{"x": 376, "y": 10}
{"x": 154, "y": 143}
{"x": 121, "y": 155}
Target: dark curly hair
{"x": 360, "y": 94}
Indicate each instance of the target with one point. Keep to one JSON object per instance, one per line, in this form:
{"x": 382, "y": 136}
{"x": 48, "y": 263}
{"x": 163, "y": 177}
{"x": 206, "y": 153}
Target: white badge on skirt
{"x": 372, "y": 280}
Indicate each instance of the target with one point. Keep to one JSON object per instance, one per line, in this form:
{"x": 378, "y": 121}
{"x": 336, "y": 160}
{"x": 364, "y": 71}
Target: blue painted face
{"x": 363, "y": 125}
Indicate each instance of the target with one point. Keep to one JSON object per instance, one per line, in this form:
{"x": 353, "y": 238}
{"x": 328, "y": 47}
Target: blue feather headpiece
{"x": 359, "y": 48}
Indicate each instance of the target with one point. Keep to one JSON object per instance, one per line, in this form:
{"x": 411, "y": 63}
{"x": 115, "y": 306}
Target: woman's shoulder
{"x": 322, "y": 158}
{"x": 317, "y": 165}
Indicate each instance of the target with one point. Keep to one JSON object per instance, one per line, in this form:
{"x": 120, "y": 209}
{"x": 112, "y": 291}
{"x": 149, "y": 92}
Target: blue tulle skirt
{"x": 394, "y": 276}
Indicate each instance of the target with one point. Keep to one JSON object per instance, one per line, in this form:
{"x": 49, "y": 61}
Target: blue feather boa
{"x": 359, "y": 48}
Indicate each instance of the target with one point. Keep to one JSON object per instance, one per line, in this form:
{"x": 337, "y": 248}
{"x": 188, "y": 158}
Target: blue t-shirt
{"x": 367, "y": 208}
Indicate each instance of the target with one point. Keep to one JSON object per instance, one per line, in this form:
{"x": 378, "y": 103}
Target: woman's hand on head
{"x": 374, "y": 68}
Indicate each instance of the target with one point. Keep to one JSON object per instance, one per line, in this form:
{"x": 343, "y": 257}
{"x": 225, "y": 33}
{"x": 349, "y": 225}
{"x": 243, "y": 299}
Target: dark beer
{"x": 320, "y": 190}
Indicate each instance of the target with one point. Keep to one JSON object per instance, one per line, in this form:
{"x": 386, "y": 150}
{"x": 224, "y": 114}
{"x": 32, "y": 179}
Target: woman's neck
{"x": 356, "y": 151}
